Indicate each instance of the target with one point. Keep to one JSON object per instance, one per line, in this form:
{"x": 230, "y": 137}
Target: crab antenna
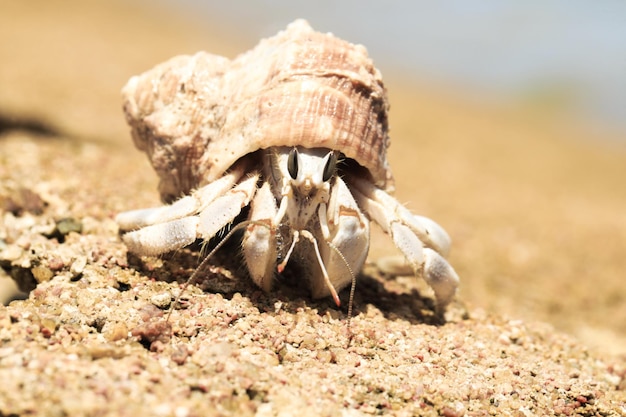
{"x": 329, "y": 284}
{"x": 205, "y": 261}
{"x": 352, "y": 285}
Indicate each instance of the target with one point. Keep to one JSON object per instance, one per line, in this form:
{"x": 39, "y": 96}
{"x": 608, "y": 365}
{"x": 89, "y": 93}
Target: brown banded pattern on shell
{"x": 196, "y": 115}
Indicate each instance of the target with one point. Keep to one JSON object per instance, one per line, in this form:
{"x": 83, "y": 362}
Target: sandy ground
{"x": 535, "y": 207}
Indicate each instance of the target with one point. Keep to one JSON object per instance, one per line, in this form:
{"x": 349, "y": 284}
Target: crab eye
{"x": 292, "y": 163}
{"x": 329, "y": 168}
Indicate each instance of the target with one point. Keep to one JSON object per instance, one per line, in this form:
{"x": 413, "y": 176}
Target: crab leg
{"x": 346, "y": 233}
{"x": 186, "y": 206}
{"x": 388, "y": 208}
{"x": 259, "y": 241}
{"x": 421, "y": 240}
{"x": 175, "y": 234}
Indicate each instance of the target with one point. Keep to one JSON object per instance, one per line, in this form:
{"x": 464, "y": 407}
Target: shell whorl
{"x": 196, "y": 115}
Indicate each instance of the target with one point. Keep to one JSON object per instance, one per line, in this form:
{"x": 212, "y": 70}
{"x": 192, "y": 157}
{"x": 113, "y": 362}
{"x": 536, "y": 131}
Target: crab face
{"x": 305, "y": 177}
{"x": 273, "y": 142}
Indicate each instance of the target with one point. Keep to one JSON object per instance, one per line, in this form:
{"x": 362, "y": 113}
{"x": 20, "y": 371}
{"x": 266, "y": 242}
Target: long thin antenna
{"x": 305, "y": 233}
{"x": 309, "y": 236}
{"x": 329, "y": 284}
{"x": 352, "y": 286}
{"x": 205, "y": 261}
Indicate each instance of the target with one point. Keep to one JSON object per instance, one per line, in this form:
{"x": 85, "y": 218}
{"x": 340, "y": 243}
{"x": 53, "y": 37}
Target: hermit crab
{"x": 294, "y": 133}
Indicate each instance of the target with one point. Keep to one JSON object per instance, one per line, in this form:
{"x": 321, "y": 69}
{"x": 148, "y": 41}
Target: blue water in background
{"x": 568, "y": 51}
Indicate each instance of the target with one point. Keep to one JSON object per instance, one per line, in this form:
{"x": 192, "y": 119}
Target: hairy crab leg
{"x": 383, "y": 208}
{"x": 346, "y": 233}
{"x": 175, "y": 234}
{"x": 186, "y": 206}
{"x": 259, "y": 240}
{"x": 421, "y": 240}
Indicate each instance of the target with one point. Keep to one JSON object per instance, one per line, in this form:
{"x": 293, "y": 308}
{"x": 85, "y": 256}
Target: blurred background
{"x": 561, "y": 53}
{"x": 507, "y": 124}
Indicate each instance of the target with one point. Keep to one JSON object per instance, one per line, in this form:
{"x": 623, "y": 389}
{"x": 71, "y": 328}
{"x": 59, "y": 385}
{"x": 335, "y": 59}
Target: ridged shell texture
{"x": 196, "y": 115}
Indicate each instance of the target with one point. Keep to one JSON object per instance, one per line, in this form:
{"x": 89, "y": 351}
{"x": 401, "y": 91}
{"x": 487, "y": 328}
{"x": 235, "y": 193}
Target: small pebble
{"x": 11, "y": 253}
{"x": 78, "y": 266}
{"x": 42, "y": 273}
{"x": 67, "y": 225}
{"x": 162, "y": 300}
